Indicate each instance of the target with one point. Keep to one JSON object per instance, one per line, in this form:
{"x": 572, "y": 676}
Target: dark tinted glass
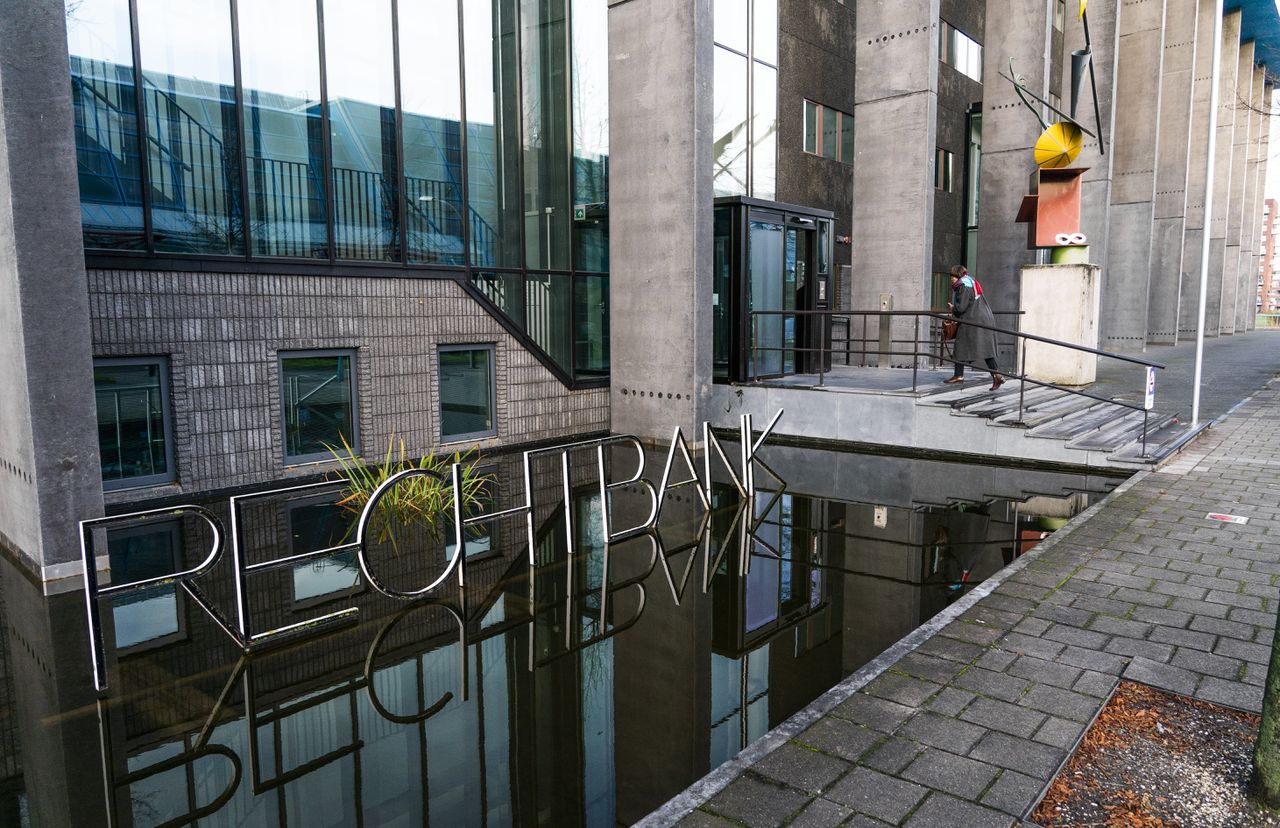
{"x": 591, "y": 326}
{"x": 131, "y": 427}
{"x": 545, "y": 135}
{"x": 590, "y": 135}
{"x": 360, "y": 74}
{"x": 193, "y": 134}
{"x": 284, "y": 141}
{"x": 431, "y": 101}
{"x": 105, "y": 108}
{"x": 547, "y": 308}
{"x": 317, "y": 405}
{"x": 466, "y": 392}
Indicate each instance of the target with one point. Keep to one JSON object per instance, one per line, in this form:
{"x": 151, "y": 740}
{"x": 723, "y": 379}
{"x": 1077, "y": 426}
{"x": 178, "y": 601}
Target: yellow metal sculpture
{"x": 1059, "y": 145}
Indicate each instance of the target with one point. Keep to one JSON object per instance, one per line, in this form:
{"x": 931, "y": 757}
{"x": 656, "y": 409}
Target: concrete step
{"x": 1005, "y": 401}
{"x": 1121, "y": 432}
{"x": 949, "y": 395}
{"x": 1161, "y": 443}
{"x": 1079, "y": 422}
{"x": 1062, "y": 406}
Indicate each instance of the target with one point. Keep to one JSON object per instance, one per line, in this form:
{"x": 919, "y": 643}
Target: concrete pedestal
{"x": 1060, "y": 301}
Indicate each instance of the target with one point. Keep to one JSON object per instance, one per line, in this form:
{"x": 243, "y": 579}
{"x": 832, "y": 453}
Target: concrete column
{"x": 1021, "y": 30}
{"x": 895, "y": 107}
{"x": 1095, "y": 196}
{"x": 1174, "y": 145}
{"x": 1222, "y": 172}
{"x": 1135, "y": 158}
{"x": 1193, "y": 236}
{"x": 1251, "y": 223}
{"x": 51, "y": 475}
{"x": 660, "y": 222}
{"x": 1241, "y": 103}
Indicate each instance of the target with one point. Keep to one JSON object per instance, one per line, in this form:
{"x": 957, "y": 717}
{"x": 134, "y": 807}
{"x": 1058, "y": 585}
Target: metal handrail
{"x": 915, "y": 353}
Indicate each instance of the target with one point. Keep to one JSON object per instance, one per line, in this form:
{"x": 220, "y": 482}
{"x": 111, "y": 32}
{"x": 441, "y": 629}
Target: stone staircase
{"x": 1077, "y": 422}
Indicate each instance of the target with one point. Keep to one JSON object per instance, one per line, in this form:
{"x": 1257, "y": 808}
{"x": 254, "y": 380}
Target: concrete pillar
{"x": 51, "y": 475}
{"x": 1251, "y": 223}
{"x": 1193, "y": 236}
{"x": 1021, "y": 30}
{"x": 1172, "y": 154}
{"x": 1061, "y": 302}
{"x": 1241, "y": 104}
{"x": 1225, "y": 151}
{"x": 1135, "y": 158}
{"x": 895, "y": 106}
{"x": 660, "y": 223}
{"x": 1095, "y": 195}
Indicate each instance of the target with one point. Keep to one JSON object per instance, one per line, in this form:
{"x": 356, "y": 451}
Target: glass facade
{"x": 133, "y": 424}
{"x": 745, "y": 98}
{"x": 318, "y": 393}
{"x": 467, "y": 135}
{"x": 466, "y": 392}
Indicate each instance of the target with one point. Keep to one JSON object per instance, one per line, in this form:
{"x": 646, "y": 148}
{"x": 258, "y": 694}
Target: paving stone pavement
{"x": 970, "y": 727}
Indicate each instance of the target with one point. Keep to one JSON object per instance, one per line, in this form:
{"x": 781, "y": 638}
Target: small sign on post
{"x": 1149, "y": 401}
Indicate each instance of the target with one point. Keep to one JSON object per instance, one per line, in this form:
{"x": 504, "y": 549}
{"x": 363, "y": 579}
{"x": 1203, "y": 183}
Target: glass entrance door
{"x": 779, "y": 259}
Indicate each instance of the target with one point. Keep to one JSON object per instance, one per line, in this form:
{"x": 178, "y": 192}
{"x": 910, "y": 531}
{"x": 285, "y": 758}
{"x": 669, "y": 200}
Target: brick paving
{"x": 971, "y": 726}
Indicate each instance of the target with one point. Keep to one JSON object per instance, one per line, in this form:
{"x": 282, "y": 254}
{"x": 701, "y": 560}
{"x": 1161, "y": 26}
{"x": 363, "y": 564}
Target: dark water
{"x": 579, "y": 689}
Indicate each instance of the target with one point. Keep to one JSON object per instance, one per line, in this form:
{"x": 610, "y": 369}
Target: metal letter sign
{"x": 240, "y": 626}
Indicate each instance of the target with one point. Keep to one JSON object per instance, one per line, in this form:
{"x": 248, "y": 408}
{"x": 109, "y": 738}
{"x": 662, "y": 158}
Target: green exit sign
{"x": 579, "y": 212}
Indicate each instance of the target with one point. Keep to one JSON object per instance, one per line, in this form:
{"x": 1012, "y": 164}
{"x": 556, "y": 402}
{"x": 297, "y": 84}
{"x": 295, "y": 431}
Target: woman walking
{"x": 972, "y": 343}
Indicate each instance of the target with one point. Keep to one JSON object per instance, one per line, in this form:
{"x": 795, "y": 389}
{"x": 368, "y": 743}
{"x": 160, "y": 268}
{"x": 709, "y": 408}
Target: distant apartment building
{"x": 1268, "y": 284}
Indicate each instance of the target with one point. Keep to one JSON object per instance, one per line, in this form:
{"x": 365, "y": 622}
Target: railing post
{"x": 1022, "y": 381}
{"x": 1145, "y": 413}
{"x": 862, "y": 357}
{"x": 915, "y": 352}
{"x": 886, "y": 341}
{"x": 822, "y": 347}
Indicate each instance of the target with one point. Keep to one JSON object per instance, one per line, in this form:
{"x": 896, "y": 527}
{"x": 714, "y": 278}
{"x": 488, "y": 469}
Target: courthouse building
{"x": 237, "y": 233}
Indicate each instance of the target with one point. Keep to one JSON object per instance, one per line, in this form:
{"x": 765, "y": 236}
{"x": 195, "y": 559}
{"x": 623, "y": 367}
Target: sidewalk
{"x": 966, "y": 721}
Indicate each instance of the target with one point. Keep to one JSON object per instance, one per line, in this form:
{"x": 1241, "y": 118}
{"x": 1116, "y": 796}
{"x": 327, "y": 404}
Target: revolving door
{"x": 772, "y": 265}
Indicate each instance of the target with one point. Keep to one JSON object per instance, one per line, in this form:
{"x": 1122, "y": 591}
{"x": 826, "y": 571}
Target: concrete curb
{"x": 708, "y": 786}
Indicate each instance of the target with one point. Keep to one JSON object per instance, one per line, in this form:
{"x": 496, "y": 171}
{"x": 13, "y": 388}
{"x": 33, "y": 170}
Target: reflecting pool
{"x": 574, "y": 683}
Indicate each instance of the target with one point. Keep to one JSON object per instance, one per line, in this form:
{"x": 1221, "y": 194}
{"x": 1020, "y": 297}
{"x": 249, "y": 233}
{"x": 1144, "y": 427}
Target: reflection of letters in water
{"x": 437, "y": 673}
{"x": 240, "y": 627}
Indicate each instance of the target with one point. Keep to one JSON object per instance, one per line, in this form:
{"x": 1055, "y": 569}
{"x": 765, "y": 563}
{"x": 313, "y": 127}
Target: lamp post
{"x": 1208, "y": 210}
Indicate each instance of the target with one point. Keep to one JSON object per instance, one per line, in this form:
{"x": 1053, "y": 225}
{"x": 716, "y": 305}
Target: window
{"x": 133, "y": 421}
{"x": 745, "y": 98}
{"x": 828, "y": 132}
{"x": 958, "y": 50}
{"x": 318, "y": 523}
{"x": 942, "y": 171}
{"x": 153, "y": 615}
{"x": 466, "y": 392}
{"x": 318, "y": 391}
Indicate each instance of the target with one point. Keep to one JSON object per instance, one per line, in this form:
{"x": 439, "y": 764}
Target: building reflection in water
{"x": 584, "y": 689}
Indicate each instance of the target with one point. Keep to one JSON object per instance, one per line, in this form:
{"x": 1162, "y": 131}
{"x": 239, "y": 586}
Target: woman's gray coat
{"x": 972, "y": 345}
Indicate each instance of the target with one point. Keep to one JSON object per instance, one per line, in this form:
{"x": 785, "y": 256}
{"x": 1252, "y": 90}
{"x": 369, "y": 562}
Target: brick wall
{"x": 222, "y": 332}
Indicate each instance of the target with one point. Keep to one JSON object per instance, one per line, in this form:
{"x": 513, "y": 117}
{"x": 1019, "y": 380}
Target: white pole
{"x": 1208, "y": 209}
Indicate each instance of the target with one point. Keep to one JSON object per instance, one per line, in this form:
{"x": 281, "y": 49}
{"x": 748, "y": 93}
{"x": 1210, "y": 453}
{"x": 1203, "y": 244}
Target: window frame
{"x": 844, "y": 123}
{"x": 454, "y": 347}
{"x": 353, "y": 440}
{"x": 171, "y": 473}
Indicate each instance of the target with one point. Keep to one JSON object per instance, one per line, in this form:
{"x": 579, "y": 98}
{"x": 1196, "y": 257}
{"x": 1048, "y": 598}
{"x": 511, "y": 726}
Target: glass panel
{"x": 431, "y": 100}
{"x": 810, "y": 127}
{"x": 546, "y": 179}
{"x": 590, "y": 69}
{"x": 792, "y": 280}
{"x": 830, "y": 132}
{"x": 493, "y": 209}
{"x": 765, "y": 293}
{"x": 731, "y": 24}
{"x": 466, "y": 392}
{"x": 360, "y": 75}
{"x": 764, "y": 22}
{"x": 317, "y": 526}
{"x": 729, "y": 132}
{"x": 591, "y": 326}
{"x": 284, "y": 146}
{"x": 846, "y": 138}
{"x": 317, "y": 405}
{"x": 105, "y": 107}
{"x": 764, "y": 132}
{"x": 506, "y": 290}
{"x": 547, "y": 306}
{"x": 722, "y": 262}
{"x": 136, "y": 555}
{"x": 188, "y": 93}
{"x": 131, "y": 433}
